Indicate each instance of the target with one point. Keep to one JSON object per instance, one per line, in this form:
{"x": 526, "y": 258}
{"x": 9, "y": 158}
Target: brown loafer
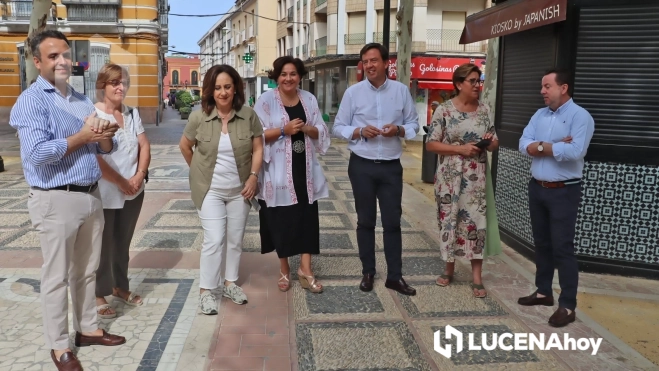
{"x": 533, "y": 299}
{"x": 106, "y": 340}
{"x": 560, "y": 318}
{"x": 67, "y": 362}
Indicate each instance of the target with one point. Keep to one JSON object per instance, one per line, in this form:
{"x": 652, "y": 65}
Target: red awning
{"x": 435, "y": 85}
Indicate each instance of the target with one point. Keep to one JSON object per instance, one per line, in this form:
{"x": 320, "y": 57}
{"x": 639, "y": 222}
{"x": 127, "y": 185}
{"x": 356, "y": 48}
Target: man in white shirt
{"x": 373, "y": 116}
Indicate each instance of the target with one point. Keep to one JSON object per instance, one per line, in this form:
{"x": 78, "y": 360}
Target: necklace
{"x": 290, "y": 105}
{"x": 223, "y": 117}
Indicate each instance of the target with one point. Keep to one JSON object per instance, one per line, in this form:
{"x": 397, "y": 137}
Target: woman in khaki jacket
{"x": 224, "y": 170}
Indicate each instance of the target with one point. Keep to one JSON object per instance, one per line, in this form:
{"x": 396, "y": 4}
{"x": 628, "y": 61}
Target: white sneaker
{"x": 235, "y": 293}
{"x": 208, "y": 303}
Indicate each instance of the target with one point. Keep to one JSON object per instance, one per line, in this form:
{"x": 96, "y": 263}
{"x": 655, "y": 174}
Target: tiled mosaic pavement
{"x": 340, "y": 329}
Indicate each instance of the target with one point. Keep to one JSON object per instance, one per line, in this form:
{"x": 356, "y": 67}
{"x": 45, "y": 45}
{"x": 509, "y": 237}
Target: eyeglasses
{"x": 115, "y": 83}
{"x": 474, "y": 82}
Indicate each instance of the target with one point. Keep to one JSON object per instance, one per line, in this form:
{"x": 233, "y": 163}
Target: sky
{"x": 184, "y": 32}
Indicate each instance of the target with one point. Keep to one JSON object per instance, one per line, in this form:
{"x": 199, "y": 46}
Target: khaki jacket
{"x": 205, "y": 131}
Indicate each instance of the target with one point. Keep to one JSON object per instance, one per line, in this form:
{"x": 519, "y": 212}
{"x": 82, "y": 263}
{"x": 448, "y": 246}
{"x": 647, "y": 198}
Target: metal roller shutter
{"x": 526, "y": 57}
{"x": 617, "y": 79}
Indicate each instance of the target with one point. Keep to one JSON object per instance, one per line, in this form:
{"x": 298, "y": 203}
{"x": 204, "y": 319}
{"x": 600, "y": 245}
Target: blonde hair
{"x": 109, "y": 72}
{"x": 460, "y": 74}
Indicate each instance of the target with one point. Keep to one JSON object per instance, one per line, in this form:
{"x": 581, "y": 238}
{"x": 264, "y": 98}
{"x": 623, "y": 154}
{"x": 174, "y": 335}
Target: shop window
{"x": 351, "y": 74}
{"x": 320, "y": 89}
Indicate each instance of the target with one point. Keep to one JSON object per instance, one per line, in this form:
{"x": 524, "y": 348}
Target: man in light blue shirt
{"x": 373, "y": 116}
{"x": 60, "y": 137}
{"x": 557, "y": 138}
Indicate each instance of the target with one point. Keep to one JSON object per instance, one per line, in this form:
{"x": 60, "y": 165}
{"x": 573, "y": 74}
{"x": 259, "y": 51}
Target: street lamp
{"x": 121, "y": 29}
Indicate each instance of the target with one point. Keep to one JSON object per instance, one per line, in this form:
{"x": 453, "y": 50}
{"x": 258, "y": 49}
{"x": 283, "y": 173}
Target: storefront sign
{"x": 7, "y": 70}
{"x": 432, "y": 68}
{"x": 512, "y": 16}
{"x": 6, "y": 59}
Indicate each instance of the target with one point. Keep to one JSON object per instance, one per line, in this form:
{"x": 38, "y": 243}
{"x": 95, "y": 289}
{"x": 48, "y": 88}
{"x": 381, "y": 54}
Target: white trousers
{"x": 70, "y": 227}
{"x": 223, "y": 217}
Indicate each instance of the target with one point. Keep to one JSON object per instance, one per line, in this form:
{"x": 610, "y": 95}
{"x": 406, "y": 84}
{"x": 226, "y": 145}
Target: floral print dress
{"x": 460, "y": 181}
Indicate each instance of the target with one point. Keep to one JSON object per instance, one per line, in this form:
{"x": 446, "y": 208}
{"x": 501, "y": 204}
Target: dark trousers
{"x": 554, "y": 218}
{"x": 117, "y": 235}
{"x": 383, "y": 182}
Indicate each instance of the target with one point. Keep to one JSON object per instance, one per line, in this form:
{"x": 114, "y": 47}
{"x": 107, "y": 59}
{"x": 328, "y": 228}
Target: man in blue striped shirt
{"x": 60, "y": 137}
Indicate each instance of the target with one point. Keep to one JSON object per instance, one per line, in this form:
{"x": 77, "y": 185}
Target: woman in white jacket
{"x": 291, "y": 180}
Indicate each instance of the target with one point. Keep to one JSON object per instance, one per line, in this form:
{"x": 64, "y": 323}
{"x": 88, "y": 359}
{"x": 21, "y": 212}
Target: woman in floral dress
{"x": 457, "y": 125}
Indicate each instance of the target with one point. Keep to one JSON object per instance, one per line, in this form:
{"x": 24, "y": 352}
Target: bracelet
{"x": 144, "y": 171}
{"x": 282, "y": 133}
{"x": 254, "y": 173}
{"x": 360, "y": 133}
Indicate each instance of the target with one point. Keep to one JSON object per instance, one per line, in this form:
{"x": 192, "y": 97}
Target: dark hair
{"x": 208, "y": 88}
{"x": 460, "y": 74}
{"x": 41, "y": 36}
{"x": 563, "y": 77}
{"x": 384, "y": 53}
{"x": 279, "y": 64}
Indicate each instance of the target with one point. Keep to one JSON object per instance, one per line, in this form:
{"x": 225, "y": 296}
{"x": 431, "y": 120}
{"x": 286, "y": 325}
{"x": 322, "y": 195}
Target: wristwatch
{"x": 254, "y": 173}
{"x": 540, "y": 147}
{"x": 398, "y": 130}
{"x": 282, "y": 135}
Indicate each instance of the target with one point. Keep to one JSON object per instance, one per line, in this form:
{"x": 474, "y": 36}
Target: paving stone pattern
{"x": 340, "y": 329}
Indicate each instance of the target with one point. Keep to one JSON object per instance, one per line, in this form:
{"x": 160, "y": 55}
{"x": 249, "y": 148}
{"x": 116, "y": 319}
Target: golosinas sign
{"x": 432, "y": 68}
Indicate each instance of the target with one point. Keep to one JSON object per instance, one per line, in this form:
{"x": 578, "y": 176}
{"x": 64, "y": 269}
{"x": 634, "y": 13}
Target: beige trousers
{"x": 70, "y": 227}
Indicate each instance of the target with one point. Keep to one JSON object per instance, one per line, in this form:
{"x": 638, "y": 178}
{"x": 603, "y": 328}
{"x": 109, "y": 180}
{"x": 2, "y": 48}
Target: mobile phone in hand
{"x": 484, "y": 143}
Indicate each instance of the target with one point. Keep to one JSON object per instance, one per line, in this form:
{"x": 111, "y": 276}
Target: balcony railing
{"x": 320, "y": 2}
{"x": 321, "y": 46}
{"x": 92, "y": 13}
{"x": 250, "y": 34}
{"x": 290, "y": 14}
{"x": 378, "y": 37}
{"x": 354, "y": 38}
{"x": 16, "y": 10}
{"x": 289, "y": 52}
{"x": 449, "y": 40}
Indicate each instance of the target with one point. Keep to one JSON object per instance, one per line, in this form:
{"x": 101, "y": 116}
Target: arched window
{"x": 175, "y": 78}
{"x": 195, "y": 78}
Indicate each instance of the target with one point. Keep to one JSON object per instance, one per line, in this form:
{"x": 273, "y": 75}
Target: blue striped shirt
{"x": 44, "y": 119}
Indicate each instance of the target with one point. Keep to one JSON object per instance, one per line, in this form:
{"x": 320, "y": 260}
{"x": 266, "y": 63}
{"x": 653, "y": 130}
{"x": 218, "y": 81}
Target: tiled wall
{"x": 618, "y": 216}
{"x": 332, "y": 6}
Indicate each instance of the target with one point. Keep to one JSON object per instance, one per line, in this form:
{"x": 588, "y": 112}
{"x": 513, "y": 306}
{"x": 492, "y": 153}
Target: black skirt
{"x": 292, "y": 230}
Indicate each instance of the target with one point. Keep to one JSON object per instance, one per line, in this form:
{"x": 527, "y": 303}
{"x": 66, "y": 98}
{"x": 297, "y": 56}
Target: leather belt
{"x": 374, "y": 161}
{"x": 72, "y": 188}
{"x": 558, "y": 184}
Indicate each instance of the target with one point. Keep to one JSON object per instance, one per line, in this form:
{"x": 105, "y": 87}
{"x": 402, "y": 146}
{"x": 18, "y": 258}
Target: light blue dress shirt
{"x": 363, "y": 105}
{"x": 44, "y": 119}
{"x": 550, "y": 126}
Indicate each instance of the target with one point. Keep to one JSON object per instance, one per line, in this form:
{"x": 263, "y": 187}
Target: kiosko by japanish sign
{"x": 512, "y": 16}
